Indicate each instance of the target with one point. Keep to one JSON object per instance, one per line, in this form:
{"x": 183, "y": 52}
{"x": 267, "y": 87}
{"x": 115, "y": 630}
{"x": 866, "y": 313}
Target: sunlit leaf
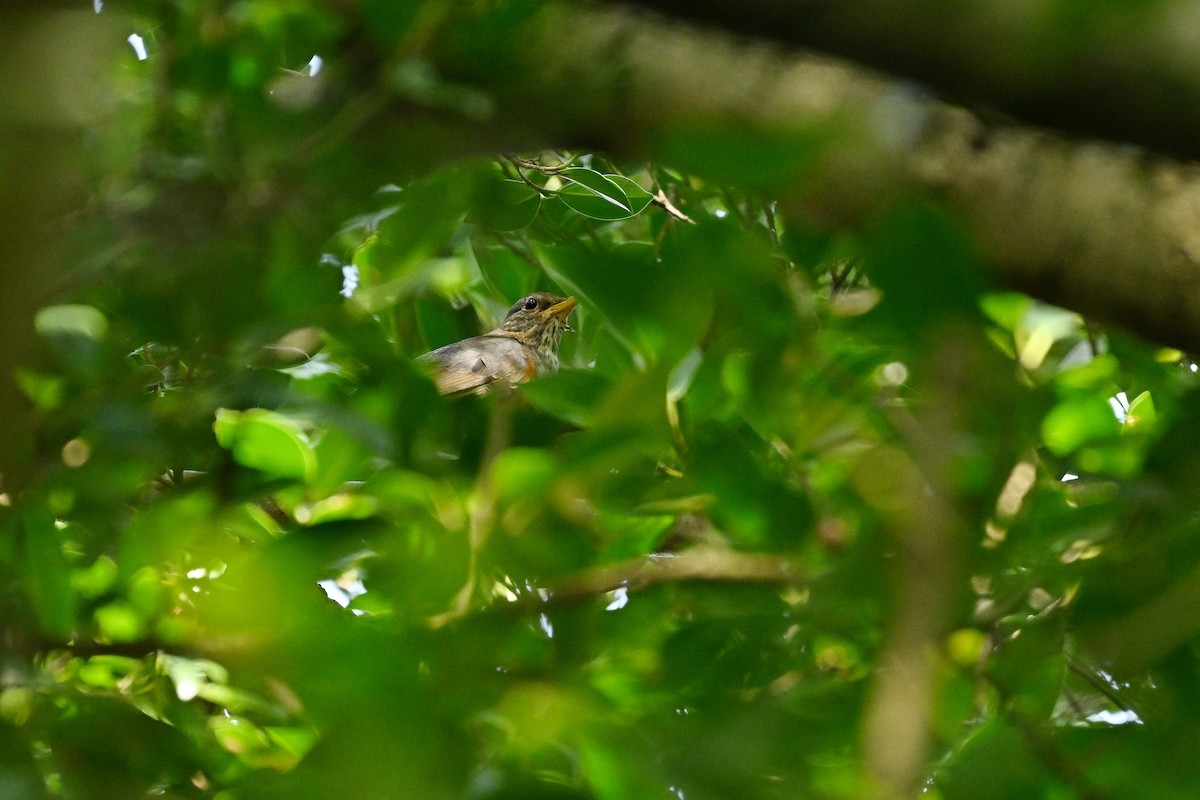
{"x": 190, "y": 675}
{"x": 266, "y": 441}
{"x": 119, "y": 622}
{"x": 1141, "y": 414}
{"x": 1097, "y": 374}
{"x": 1078, "y": 420}
{"x": 79, "y": 320}
{"x": 295, "y": 741}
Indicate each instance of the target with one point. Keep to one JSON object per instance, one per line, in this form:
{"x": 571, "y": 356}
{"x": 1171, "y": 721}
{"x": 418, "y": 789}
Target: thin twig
{"x": 541, "y": 190}
{"x": 661, "y": 200}
{"x": 537, "y": 166}
{"x": 702, "y": 562}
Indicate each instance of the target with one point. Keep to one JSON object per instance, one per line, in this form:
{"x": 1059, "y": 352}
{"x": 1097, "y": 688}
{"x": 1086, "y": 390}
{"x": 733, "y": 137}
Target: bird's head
{"x": 539, "y": 319}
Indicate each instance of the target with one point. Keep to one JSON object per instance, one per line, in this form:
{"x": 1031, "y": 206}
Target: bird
{"x": 523, "y": 347}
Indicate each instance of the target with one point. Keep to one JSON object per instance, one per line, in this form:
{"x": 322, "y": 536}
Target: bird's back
{"x": 475, "y": 363}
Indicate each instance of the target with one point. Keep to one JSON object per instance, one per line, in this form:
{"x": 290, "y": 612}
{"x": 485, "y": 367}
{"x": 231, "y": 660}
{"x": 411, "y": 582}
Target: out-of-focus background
{"x": 868, "y": 474}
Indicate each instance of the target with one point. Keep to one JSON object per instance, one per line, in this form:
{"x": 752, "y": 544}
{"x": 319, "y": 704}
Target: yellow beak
{"x": 561, "y": 309}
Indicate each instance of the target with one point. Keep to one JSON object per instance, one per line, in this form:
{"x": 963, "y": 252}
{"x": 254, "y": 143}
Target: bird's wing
{"x": 474, "y": 364}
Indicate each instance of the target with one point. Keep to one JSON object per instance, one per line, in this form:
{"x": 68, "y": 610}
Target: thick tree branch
{"x": 1091, "y": 226}
{"x": 1128, "y": 72}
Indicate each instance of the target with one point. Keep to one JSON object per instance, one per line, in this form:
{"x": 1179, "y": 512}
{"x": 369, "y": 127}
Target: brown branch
{"x": 915, "y": 491}
{"x": 700, "y": 563}
{"x": 661, "y": 200}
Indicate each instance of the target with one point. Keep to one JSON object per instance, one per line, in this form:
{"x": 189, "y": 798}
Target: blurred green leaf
{"x": 45, "y": 391}
{"x": 523, "y": 471}
{"x": 266, "y": 441}
{"x": 119, "y": 622}
{"x": 996, "y": 762}
{"x": 1006, "y": 309}
{"x": 1096, "y": 374}
{"x": 1141, "y": 414}
{"x": 1078, "y": 420}
{"x": 572, "y": 395}
{"x": 1030, "y": 669}
{"x": 96, "y": 579}
{"x": 505, "y": 205}
{"x": 47, "y": 572}
{"x": 72, "y": 320}
{"x": 510, "y": 275}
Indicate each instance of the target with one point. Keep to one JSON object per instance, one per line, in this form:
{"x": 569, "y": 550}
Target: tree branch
{"x": 1127, "y": 72}
{"x": 701, "y": 562}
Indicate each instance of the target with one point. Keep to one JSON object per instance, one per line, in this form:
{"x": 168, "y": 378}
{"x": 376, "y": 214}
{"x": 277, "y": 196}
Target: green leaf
{"x": 44, "y": 391}
{"x": 505, "y": 205}
{"x": 16, "y": 705}
{"x": 1030, "y": 668}
{"x": 1096, "y": 374}
{"x": 1078, "y": 420}
{"x": 593, "y": 195}
{"x": 510, "y": 275}
{"x": 405, "y": 249}
{"x": 267, "y": 441}
{"x": 119, "y": 622}
{"x": 339, "y": 458}
{"x": 682, "y": 374}
{"x": 78, "y": 320}
{"x": 295, "y": 741}
{"x": 995, "y": 762}
{"x": 571, "y": 395}
{"x": 1141, "y": 414}
{"x": 47, "y": 573}
{"x": 923, "y": 258}
{"x": 523, "y": 471}
{"x": 640, "y": 299}
{"x": 1006, "y": 309}
{"x": 190, "y": 674}
{"x": 337, "y": 507}
{"x": 639, "y": 198}
{"x": 96, "y": 579}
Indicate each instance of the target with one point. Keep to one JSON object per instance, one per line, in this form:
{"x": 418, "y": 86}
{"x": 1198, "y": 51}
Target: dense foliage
{"x": 805, "y": 514}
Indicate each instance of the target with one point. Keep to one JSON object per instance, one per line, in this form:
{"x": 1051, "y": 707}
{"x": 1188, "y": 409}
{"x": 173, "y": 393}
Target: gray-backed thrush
{"x": 524, "y": 347}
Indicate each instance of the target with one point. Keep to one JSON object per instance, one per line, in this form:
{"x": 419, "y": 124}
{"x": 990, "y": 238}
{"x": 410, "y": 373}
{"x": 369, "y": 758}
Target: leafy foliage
{"x": 797, "y": 504}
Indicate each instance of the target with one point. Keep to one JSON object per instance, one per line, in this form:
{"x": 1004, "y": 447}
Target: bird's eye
{"x": 530, "y": 303}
